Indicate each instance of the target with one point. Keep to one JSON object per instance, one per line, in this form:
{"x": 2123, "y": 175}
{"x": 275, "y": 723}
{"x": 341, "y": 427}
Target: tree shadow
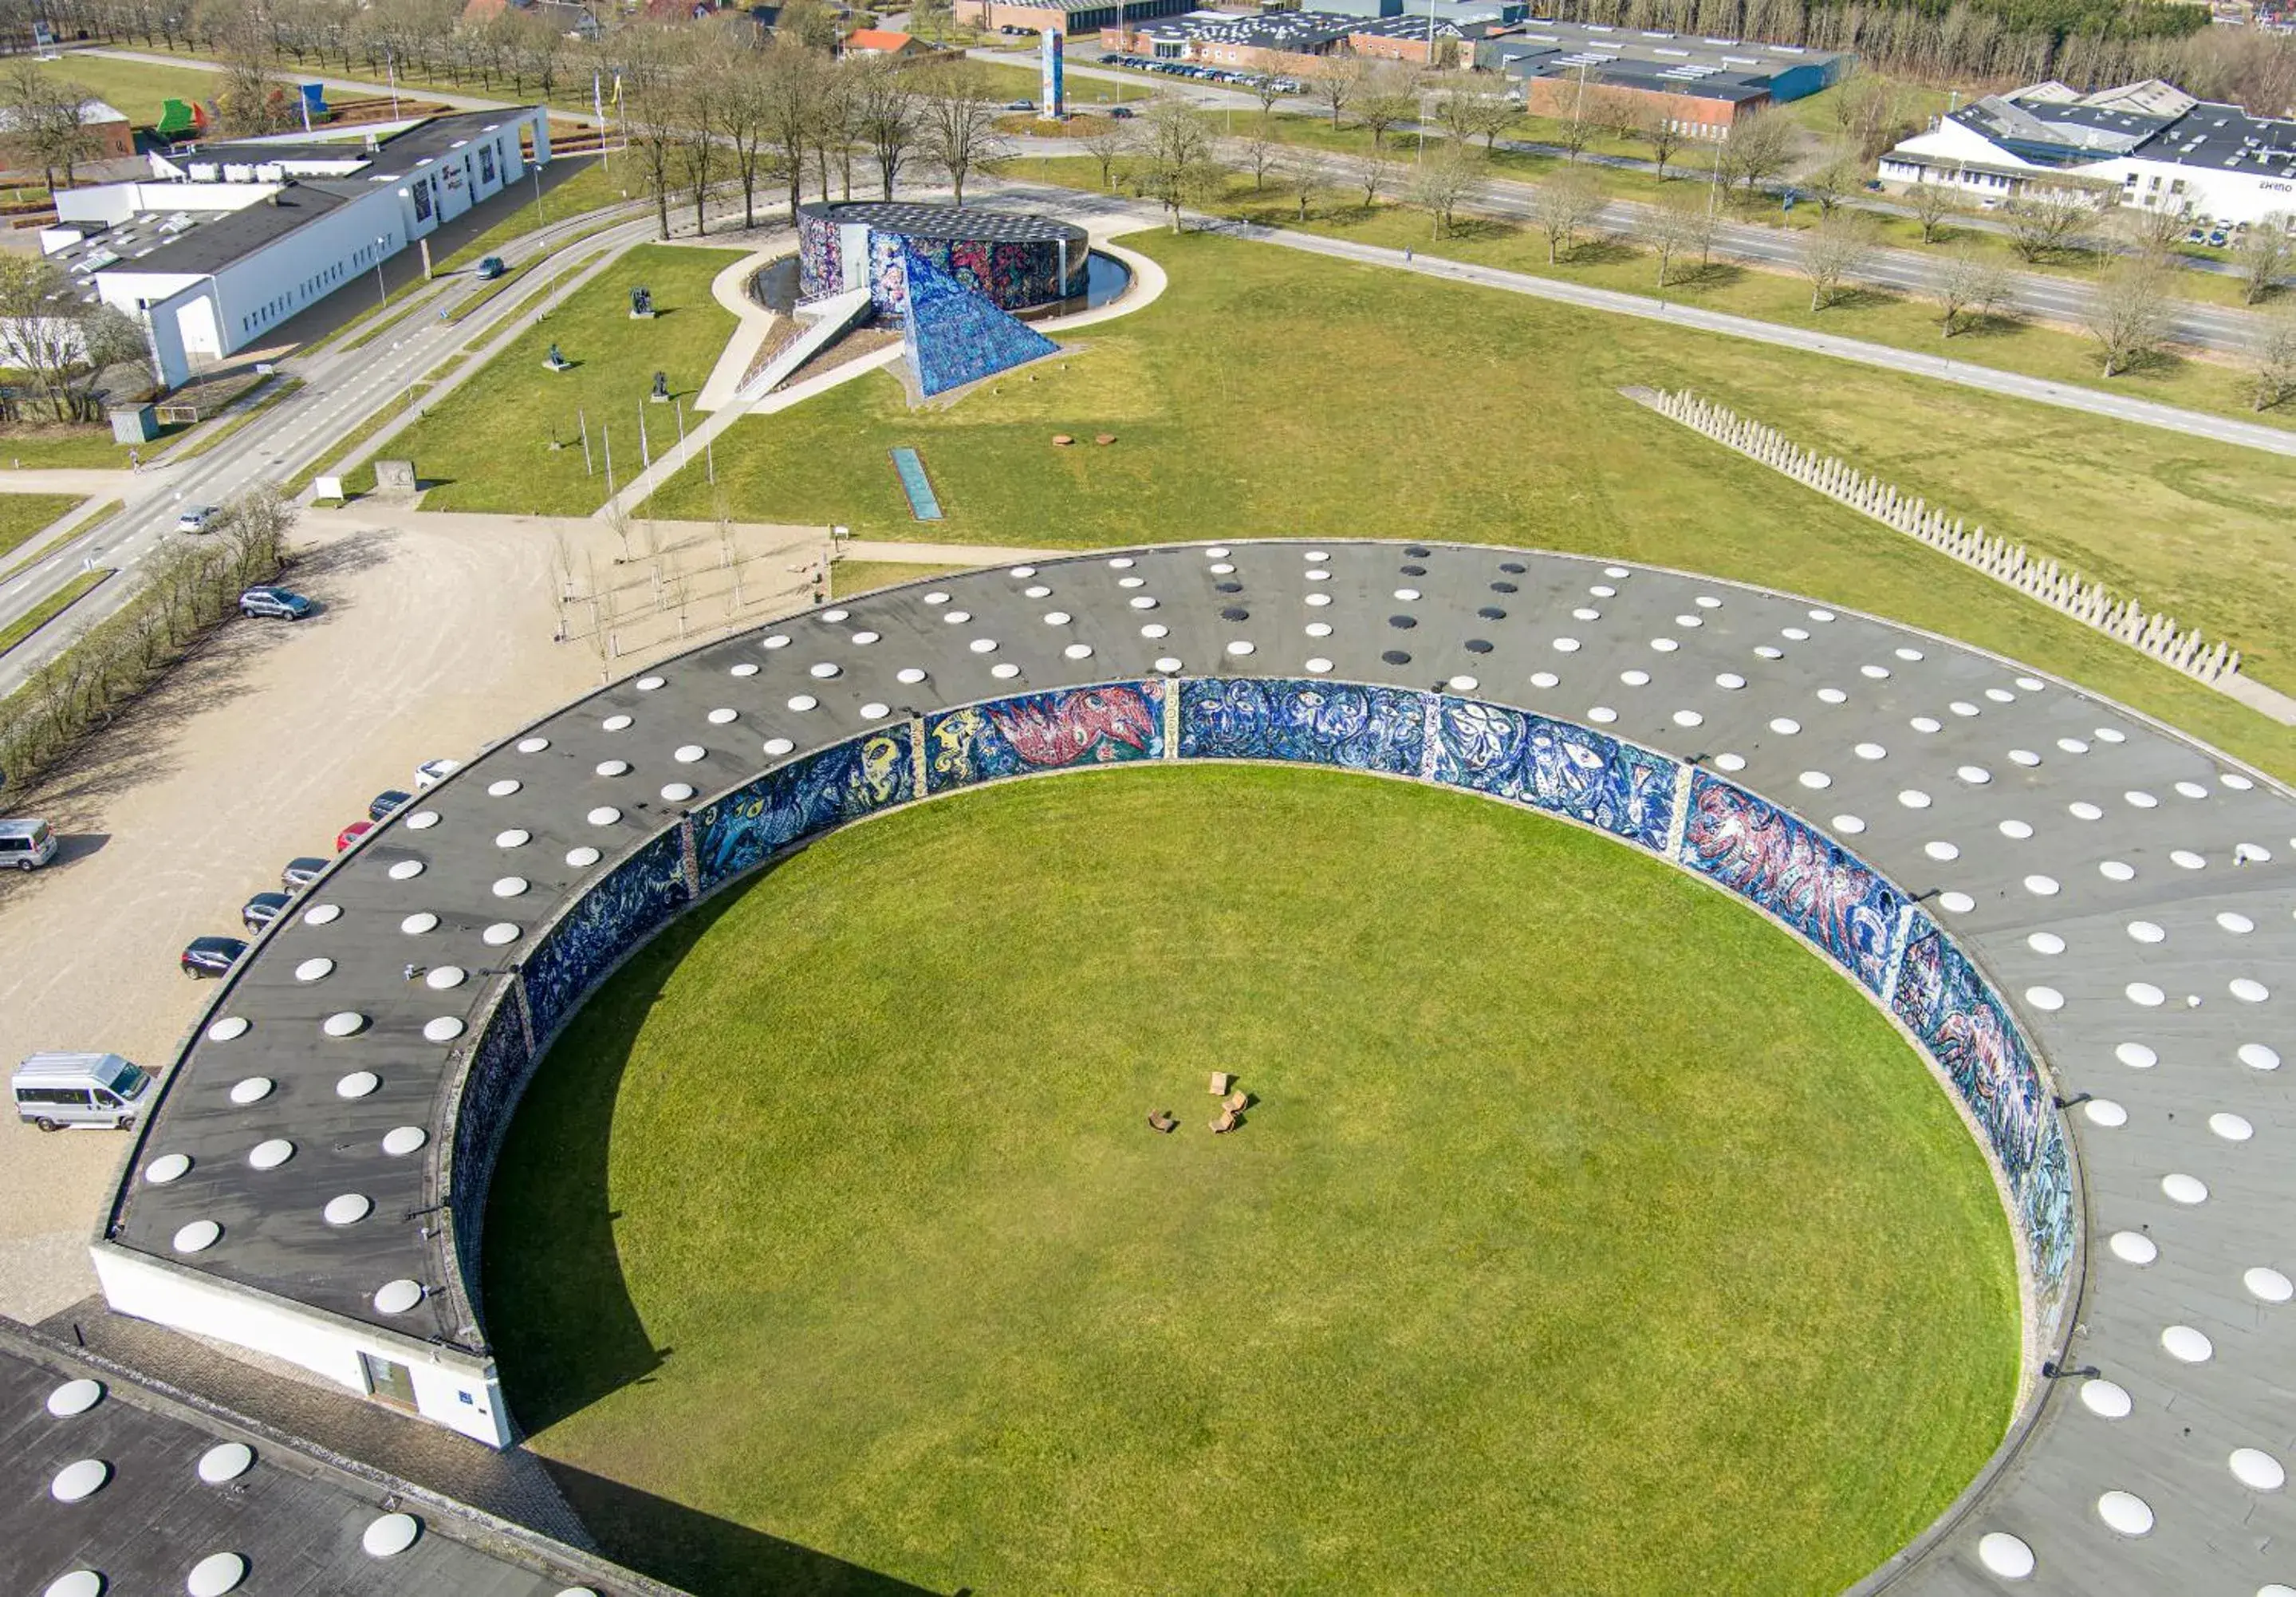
{"x": 708, "y": 1556}
{"x": 1993, "y": 323}
{"x": 1469, "y": 230}
{"x": 1601, "y": 251}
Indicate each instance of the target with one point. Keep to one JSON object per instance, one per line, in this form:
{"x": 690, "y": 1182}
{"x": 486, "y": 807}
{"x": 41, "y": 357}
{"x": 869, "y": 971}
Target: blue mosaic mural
{"x": 1795, "y": 872}
{"x": 1556, "y": 766}
{"x": 1947, "y": 1005}
{"x": 746, "y": 827}
{"x": 1319, "y": 723}
{"x": 643, "y": 892}
{"x": 957, "y": 334}
{"x": 498, "y": 1073}
{"x": 1044, "y": 731}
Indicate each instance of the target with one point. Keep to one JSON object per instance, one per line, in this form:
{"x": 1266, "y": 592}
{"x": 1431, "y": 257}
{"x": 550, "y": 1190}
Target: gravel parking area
{"x": 435, "y": 634}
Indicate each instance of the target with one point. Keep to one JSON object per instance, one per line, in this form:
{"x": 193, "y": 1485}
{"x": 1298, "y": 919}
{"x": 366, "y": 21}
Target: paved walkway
{"x": 85, "y": 481}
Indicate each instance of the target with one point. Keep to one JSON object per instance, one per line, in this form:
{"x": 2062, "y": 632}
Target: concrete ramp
{"x": 826, "y": 319}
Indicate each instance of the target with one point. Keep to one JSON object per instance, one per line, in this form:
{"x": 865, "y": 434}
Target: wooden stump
{"x": 1221, "y": 1082}
{"x": 1062, "y": 440}
{"x": 1105, "y": 438}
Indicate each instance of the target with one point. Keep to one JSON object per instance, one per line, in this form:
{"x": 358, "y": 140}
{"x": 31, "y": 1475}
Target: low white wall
{"x": 451, "y": 1388}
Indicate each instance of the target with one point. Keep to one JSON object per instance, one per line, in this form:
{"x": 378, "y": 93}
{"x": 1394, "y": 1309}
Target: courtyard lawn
{"x": 1008, "y": 80}
{"x": 850, "y": 577}
{"x": 487, "y": 445}
{"x": 1587, "y": 1234}
{"x": 41, "y": 443}
{"x": 1269, "y": 392}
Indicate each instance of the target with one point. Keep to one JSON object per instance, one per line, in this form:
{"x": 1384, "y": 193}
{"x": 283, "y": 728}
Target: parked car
{"x": 26, "y": 845}
{"x": 490, "y": 268}
{"x": 385, "y": 802}
{"x": 210, "y": 956}
{"x": 1120, "y": 113}
{"x": 263, "y": 909}
{"x": 90, "y": 1092}
{"x": 276, "y": 603}
{"x": 195, "y": 518}
{"x": 301, "y": 872}
{"x": 431, "y": 772}
{"x": 1019, "y": 105}
{"x": 351, "y": 834}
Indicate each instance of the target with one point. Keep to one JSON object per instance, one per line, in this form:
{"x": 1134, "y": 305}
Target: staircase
{"x": 826, "y": 319}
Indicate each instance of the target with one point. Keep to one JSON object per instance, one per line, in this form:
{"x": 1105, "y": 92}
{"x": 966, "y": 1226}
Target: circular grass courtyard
{"x": 1587, "y": 1233}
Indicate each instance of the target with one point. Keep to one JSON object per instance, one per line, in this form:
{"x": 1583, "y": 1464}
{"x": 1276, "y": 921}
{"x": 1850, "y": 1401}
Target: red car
{"x": 351, "y": 834}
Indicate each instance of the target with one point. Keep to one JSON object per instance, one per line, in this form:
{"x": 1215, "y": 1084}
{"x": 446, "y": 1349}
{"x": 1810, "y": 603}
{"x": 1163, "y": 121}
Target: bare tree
{"x": 1262, "y": 86}
{"x": 1389, "y": 99}
{"x": 1680, "y": 221}
{"x": 1261, "y": 145}
{"x": 1834, "y": 251}
{"x": 2265, "y": 254}
{"x": 1449, "y": 175}
{"x": 1867, "y": 111}
{"x": 46, "y": 121}
{"x": 1333, "y": 82}
{"x": 789, "y": 105}
{"x": 2272, "y": 368}
{"x": 2044, "y": 221}
{"x": 1931, "y": 203}
{"x": 2129, "y": 312}
{"x": 1374, "y": 174}
{"x": 1836, "y": 179}
{"x": 885, "y": 117}
{"x": 1109, "y": 142}
{"x": 1474, "y": 113}
{"x": 702, "y": 90}
{"x": 1173, "y": 164}
{"x": 1302, "y": 177}
{"x": 1756, "y": 149}
{"x": 48, "y": 333}
{"x": 653, "y": 120}
{"x": 742, "y": 116}
{"x": 1656, "y": 127}
{"x": 956, "y": 124}
{"x": 1565, "y": 202}
{"x": 1575, "y": 126}
{"x": 1969, "y": 286}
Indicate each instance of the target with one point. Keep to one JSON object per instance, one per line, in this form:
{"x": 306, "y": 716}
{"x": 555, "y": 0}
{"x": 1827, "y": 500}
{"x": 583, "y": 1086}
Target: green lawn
{"x": 850, "y": 577}
{"x": 1271, "y": 392}
{"x": 23, "y": 514}
{"x": 487, "y": 445}
{"x": 569, "y": 189}
{"x": 133, "y": 87}
{"x": 51, "y": 607}
{"x": 1009, "y": 81}
{"x": 36, "y": 444}
{"x": 1589, "y": 1235}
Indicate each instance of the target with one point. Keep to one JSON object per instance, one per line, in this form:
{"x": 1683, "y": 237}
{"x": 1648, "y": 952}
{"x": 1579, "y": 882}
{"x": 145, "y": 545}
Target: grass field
{"x": 486, "y": 445}
{"x": 36, "y": 444}
{"x": 1590, "y": 1235}
{"x": 850, "y": 577}
{"x": 134, "y": 86}
{"x": 23, "y": 514}
{"x": 1011, "y": 81}
{"x": 1270, "y": 392}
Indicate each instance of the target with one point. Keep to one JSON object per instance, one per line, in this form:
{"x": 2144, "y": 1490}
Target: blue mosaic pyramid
{"x": 955, "y": 335}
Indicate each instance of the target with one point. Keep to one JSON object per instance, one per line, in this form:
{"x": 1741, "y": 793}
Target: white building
{"x": 2153, "y": 145}
{"x": 226, "y": 242}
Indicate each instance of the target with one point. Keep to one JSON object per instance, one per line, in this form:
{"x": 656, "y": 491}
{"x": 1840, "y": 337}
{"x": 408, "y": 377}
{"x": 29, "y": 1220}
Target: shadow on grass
{"x": 708, "y": 1556}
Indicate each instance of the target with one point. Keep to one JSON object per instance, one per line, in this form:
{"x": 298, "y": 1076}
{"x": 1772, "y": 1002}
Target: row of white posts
{"x": 2088, "y": 603}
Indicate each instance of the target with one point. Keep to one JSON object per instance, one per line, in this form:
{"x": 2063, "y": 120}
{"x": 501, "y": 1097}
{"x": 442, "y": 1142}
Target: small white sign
{"x": 328, "y": 487}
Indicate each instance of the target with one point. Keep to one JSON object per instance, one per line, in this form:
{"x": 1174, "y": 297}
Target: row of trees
{"x": 61, "y": 344}
{"x": 188, "y": 588}
{"x": 790, "y": 116}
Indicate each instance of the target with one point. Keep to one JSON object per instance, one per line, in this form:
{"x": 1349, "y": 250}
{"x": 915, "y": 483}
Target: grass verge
{"x": 1500, "y": 1275}
{"x": 850, "y": 577}
{"x": 23, "y": 516}
{"x": 223, "y": 427}
{"x": 51, "y": 607}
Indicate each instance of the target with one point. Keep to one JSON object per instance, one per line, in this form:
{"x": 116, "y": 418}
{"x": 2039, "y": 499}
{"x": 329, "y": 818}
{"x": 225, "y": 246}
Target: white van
{"x": 98, "y": 1091}
{"x": 26, "y": 845}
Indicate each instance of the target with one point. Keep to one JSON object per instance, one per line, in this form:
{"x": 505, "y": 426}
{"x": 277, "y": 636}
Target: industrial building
{"x": 1071, "y": 17}
{"x": 2148, "y": 145}
{"x": 227, "y": 241}
{"x": 1701, "y": 86}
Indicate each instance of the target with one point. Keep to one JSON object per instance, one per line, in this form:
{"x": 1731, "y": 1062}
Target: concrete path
{"x": 85, "y": 481}
{"x": 753, "y": 324}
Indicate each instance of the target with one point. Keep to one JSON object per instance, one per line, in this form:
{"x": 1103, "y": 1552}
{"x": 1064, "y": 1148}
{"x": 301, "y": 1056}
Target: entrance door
{"x": 394, "y": 1384}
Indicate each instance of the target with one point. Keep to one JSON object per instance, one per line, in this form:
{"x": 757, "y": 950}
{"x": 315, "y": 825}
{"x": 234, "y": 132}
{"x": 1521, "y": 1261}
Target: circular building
{"x": 1022, "y": 263}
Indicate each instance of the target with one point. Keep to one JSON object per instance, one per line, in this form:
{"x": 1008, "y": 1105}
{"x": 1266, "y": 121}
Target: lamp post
{"x": 382, "y": 293}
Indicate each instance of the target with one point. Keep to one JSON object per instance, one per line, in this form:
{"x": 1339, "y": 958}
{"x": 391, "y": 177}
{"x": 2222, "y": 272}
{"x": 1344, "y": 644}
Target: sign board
{"x": 328, "y": 488}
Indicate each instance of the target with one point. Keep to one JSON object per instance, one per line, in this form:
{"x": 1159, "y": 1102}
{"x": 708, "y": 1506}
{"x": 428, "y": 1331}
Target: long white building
{"x": 227, "y": 241}
{"x": 2151, "y": 143}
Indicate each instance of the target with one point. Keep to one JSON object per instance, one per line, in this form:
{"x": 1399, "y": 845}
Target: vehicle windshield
{"x": 129, "y": 1080}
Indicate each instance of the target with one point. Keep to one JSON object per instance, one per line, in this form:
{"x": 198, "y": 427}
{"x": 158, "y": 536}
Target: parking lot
{"x": 434, "y": 634}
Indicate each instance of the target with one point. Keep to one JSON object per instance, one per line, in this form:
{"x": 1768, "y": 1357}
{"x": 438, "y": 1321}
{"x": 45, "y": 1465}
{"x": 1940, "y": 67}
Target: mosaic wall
{"x": 1014, "y": 275}
{"x": 643, "y": 892}
{"x": 1967, "y": 1030}
{"x": 1044, "y": 731}
{"x": 1554, "y": 765}
{"x": 1795, "y": 872}
{"x": 497, "y": 1075}
{"x": 1774, "y": 861}
{"x": 820, "y": 260}
{"x": 956, "y": 335}
{"x": 1319, "y": 723}
{"x": 742, "y": 830}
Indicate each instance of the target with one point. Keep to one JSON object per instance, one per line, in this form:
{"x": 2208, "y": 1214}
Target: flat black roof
{"x": 966, "y": 223}
{"x": 295, "y": 1516}
{"x": 219, "y": 241}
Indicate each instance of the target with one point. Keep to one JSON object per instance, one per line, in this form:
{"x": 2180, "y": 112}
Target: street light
{"x": 382, "y": 293}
